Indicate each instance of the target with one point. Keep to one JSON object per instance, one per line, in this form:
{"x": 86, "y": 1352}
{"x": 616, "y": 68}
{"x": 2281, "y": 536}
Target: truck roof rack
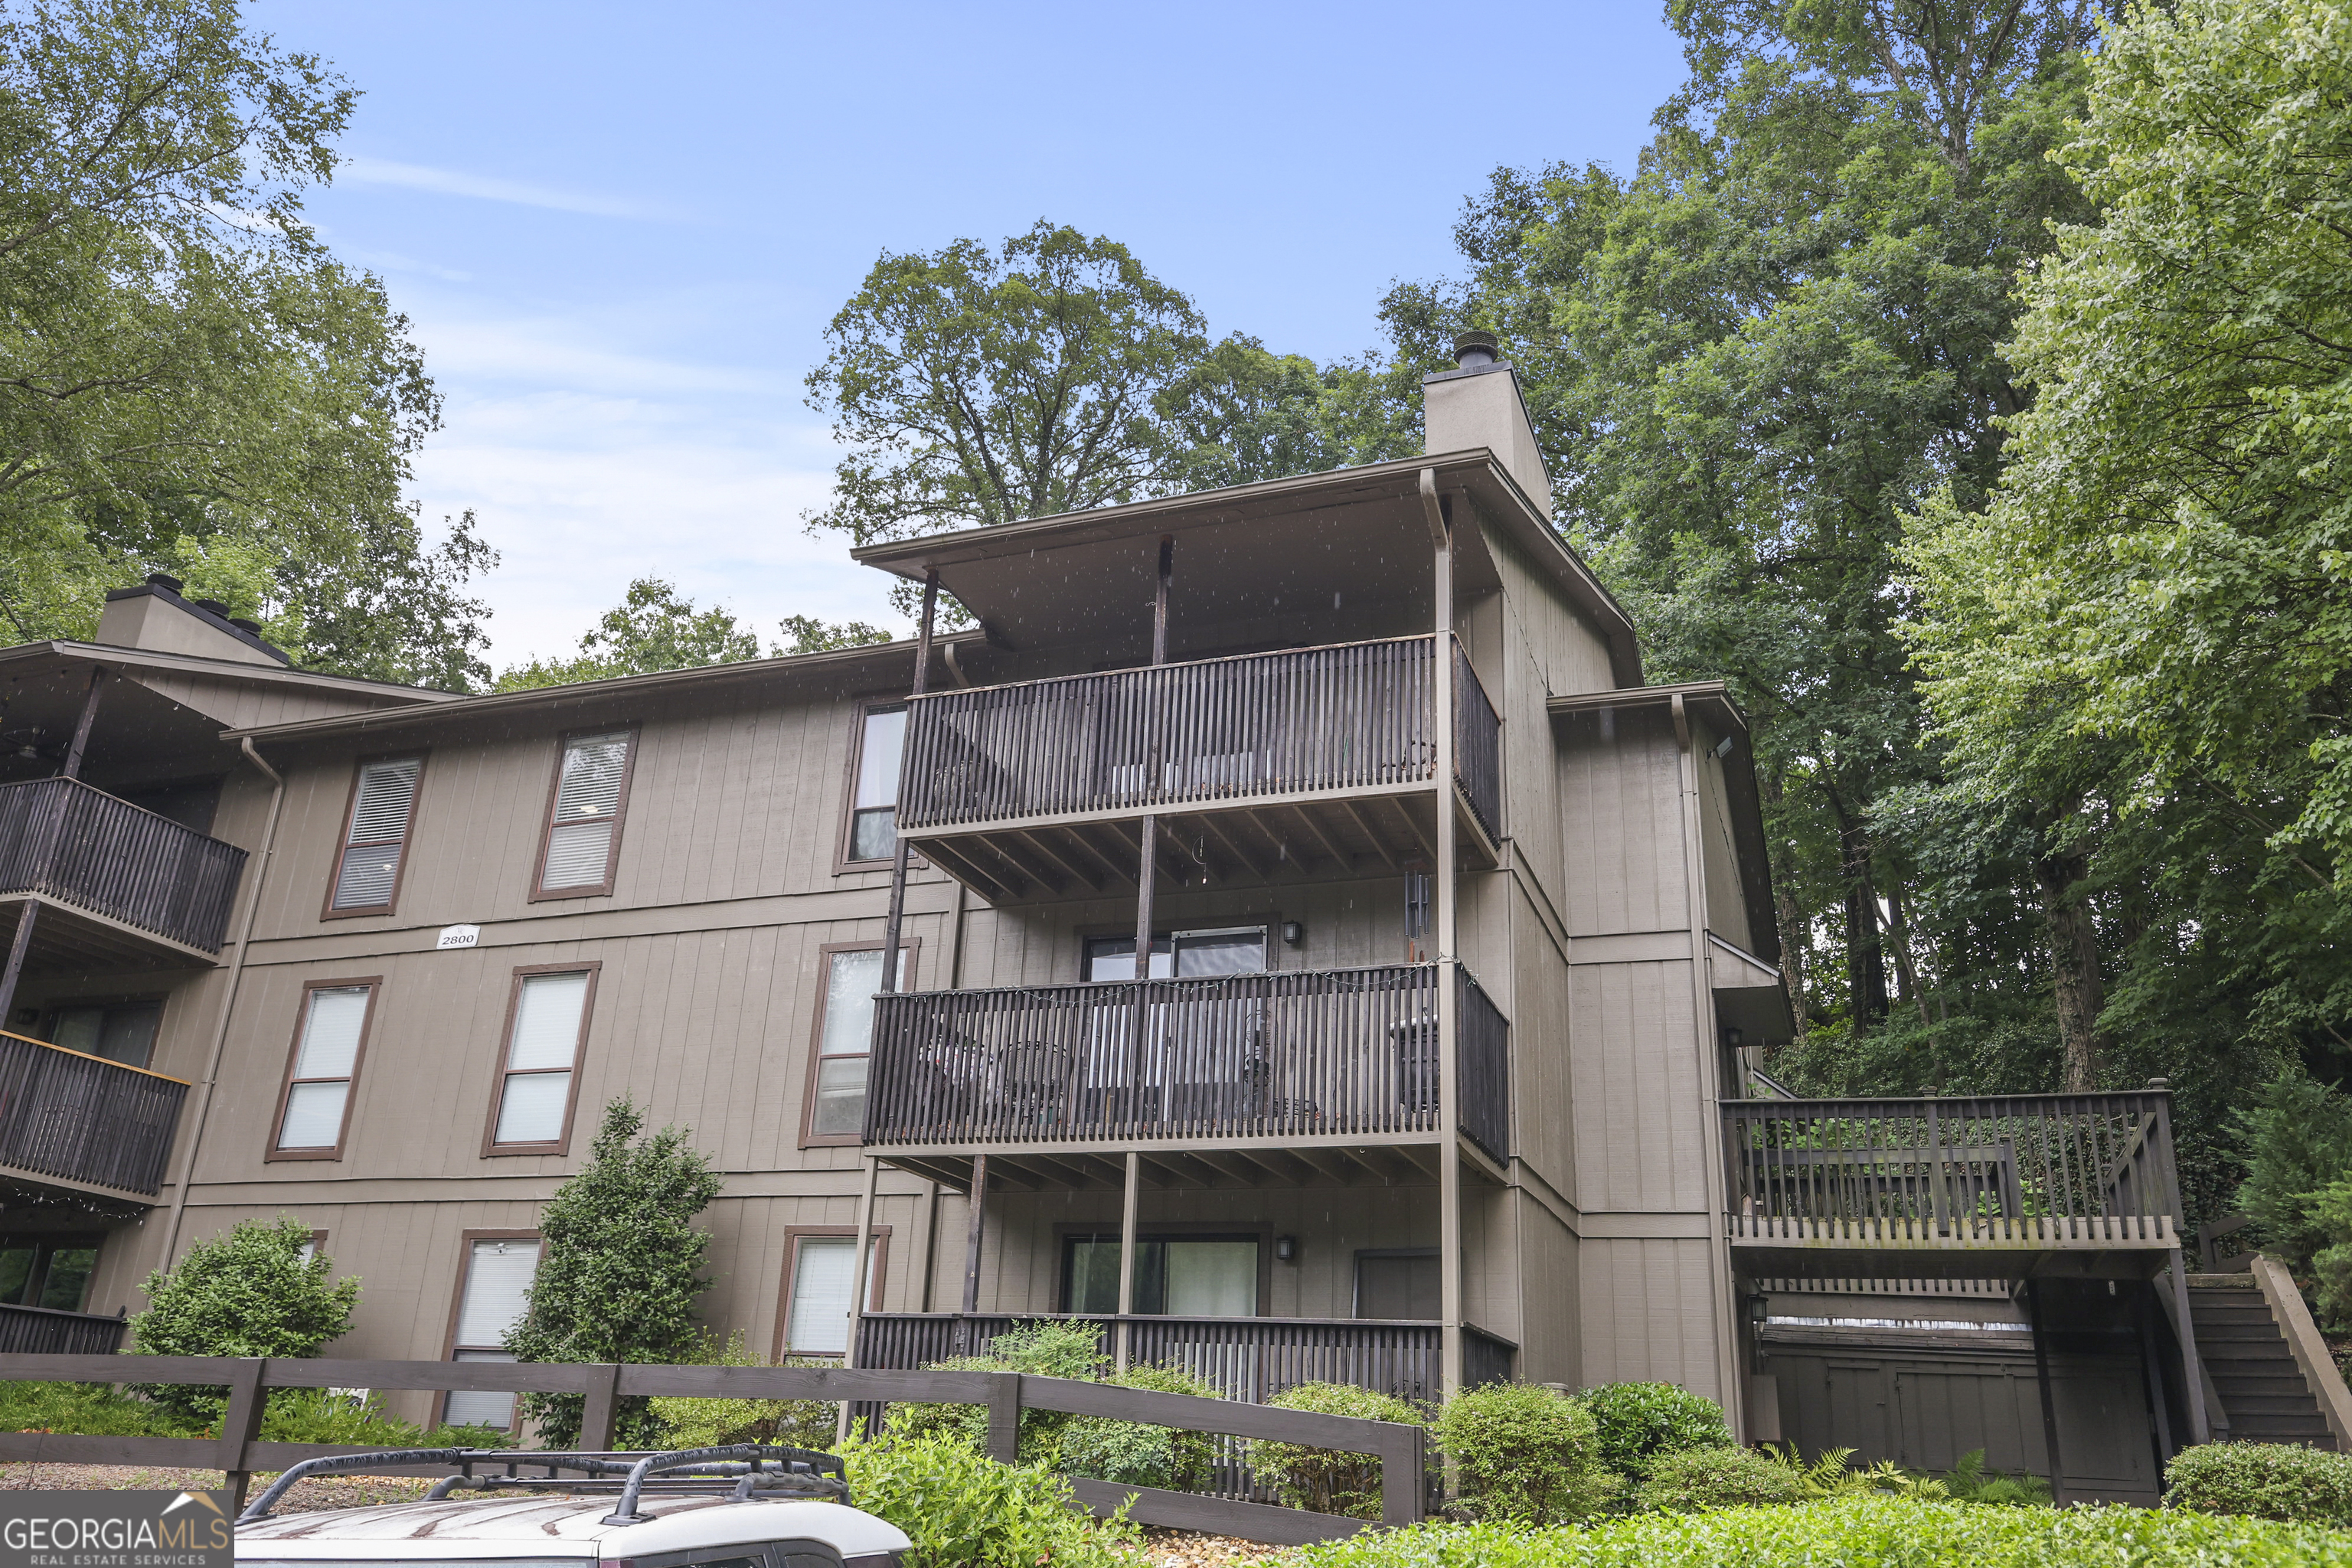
{"x": 743, "y": 1471}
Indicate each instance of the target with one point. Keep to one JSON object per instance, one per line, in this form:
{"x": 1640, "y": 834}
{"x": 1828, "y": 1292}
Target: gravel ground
{"x": 1186, "y": 1549}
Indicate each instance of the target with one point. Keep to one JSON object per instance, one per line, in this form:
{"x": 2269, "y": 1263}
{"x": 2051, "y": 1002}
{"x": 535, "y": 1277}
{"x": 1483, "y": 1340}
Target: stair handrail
{"x": 2301, "y": 1335}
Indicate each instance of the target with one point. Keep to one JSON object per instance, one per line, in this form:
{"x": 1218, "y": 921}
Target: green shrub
{"x": 962, "y": 1510}
{"x": 1042, "y": 1349}
{"x": 316, "y": 1415}
{"x": 1639, "y": 1421}
{"x": 709, "y": 1423}
{"x": 1969, "y": 1481}
{"x": 2330, "y": 1212}
{"x": 92, "y": 1408}
{"x": 248, "y": 1293}
{"x": 1525, "y": 1453}
{"x": 2263, "y": 1480}
{"x": 1133, "y": 1453}
{"x": 2297, "y": 1138}
{"x": 293, "y": 1415}
{"x": 1328, "y": 1480}
{"x": 1860, "y": 1531}
{"x": 1693, "y": 1481}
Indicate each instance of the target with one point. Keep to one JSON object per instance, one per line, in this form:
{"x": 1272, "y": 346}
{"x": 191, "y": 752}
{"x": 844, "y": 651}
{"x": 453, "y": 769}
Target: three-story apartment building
{"x": 1455, "y": 935}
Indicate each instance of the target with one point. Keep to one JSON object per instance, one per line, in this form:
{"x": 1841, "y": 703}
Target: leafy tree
{"x": 188, "y": 380}
{"x": 976, "y": 386}
{"x": 806, "y": 634}
{"x": 248, "y": 1293}
{"x": 652, "y": 629}
{"x": 620, "y": 1269}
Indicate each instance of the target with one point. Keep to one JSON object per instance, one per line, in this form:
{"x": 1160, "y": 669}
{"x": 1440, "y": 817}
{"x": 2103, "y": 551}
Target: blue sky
{"x": 619, "y": 231}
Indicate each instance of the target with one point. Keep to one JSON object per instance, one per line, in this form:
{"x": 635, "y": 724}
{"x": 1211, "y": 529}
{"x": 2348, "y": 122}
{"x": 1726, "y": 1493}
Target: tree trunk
{"x": 2074, "y": 966}
{"x": 1898, "y": 930}
{"x": 1865, "y": 955}
{"x": 1787, "y": 916}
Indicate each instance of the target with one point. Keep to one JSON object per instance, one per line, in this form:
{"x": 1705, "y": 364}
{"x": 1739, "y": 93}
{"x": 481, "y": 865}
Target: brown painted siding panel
{"x": 1622, "y": 821}
{"x": 1648, "y": 1316}
{"x": 1641, "y": 1142}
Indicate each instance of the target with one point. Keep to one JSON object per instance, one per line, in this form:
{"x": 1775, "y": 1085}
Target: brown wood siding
{"x": 1636, "y": 1087}
{"x": 1727, "y": 905}
{"x": 1648, "y": 1312}
{"x": 1620, "y": 819}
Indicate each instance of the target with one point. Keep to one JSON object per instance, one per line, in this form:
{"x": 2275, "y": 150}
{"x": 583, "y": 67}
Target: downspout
{"x": 228, "y": 1004}
{"x": 1728, "y": 1366}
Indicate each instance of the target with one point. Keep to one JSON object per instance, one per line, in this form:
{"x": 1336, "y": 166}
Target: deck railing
{"x": 61, "y": 838}
{"x": 83, "y": 1118}
{"x": 1485, "y": 1053}
{"x": 2083, "y": 1167}
{"x": 1241, "y": 1358}
{"x": 1291, "y": 1053}
{"x": 44, "y": 1330}
{"x": 1353, "y": 716}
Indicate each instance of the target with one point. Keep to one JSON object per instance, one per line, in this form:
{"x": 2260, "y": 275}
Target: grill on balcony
{"x": 1976, "y": 1188}
{"x": 1265, "y": 767}
{"x": 1276, "y": 1057}
{"x": 138, "y": 873}
{"x": 82, "y": 1119}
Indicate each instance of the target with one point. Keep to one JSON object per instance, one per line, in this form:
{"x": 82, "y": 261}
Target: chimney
{"x": 1478, "y": 404}
{"x": 154, "y": 616}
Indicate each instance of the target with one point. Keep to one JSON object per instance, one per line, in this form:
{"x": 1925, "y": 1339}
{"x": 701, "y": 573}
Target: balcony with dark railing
{"x": 82, "y": 1122}
{"x": 1951, "y": 1187}
{"x": 118, "y": 882}
{"x": 1310, "y": 762}
{"x": 1339, "y": 1061}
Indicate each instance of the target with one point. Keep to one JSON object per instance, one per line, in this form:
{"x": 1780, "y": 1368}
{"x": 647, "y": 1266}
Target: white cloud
{"x": 489, "y": 188}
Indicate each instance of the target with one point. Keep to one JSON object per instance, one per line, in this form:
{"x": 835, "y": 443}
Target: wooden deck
{"x": 82, "y": 1122}
{"x": 1264, "y": 769}
{"x": 1996, "y": 1188}
{"x": 143, "y": 884}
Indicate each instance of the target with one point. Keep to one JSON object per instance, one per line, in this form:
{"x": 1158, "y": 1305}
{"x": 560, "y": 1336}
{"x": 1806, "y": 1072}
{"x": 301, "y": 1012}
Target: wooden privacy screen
{"x": 238, "y": 1451}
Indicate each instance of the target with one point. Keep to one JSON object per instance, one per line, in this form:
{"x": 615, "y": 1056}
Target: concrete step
{"x": 2251, "y": 1406}
{"x": 2252, "y": 1387}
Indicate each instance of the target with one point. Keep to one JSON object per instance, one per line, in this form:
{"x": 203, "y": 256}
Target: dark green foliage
{"x": 2297, "y": 1138}
{"x": 248, "y": 1293}
{"x": 1970, "y": 1481}
{"x": 1042, "y": 1349}
{"x": 1693, "y": 1481}
{"x": 620, "y": 1269}
{"x": 1328, "y": 1480}
{"x": 651, "y": 629}
{"x": 1639, "y": 1421}
{"x": 2263, "y": 1480}
{"x": 1133, "y": 1453}
{"x": 1525, "y": 1453}
{"x": 294, "y": 1416}
{"x": 962, "y": 1510}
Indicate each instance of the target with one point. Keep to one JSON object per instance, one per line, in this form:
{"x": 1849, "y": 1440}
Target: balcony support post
{"x": 72, "y": 768}
{"x": 979, "y": 1205}
{"x": 858, "y": 1275}
{"x": 2042, "y": 1379}
{"x": 22, "y": 944}
{"x": 1126, "y": 1257}
{"x": 896, "y": 920}
{"x": 1147, "y": 870}
{"x": 1449, "y": 957}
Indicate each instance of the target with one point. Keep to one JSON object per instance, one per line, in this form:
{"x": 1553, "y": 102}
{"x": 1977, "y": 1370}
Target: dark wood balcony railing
{"x": 1289, "y": 1053}
{"x": 1485, "y": 1053}
{"x": 2039, "y": 1170}
{"x": 1241, "y": 1358}
{"x": 84, "y": 1118}
{"x": 63, "y": 839}
{"x": 1356, "y": 716}
{"x": 1477, "y": 746}
{"x": 40, "y": 1330}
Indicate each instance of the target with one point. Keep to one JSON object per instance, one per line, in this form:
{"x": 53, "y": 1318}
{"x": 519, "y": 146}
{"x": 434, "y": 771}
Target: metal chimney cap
{"x": 1473, "y": 349}
{"x": 165, "y": 580}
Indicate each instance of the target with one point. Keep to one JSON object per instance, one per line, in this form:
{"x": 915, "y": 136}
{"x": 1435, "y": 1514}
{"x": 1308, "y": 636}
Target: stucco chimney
{"x": 153, "y": 615}
{"x": 1478, "y": 404}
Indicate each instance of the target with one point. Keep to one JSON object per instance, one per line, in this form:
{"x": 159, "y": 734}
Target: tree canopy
{"x": 655, "y": 627}
{"x": 188, "y": 379}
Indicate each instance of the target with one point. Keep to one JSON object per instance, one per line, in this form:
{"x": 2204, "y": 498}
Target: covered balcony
{"x": 1288, "y": 1077}
{"x": 2015, "y": 1187}
{"x": 82, "y": 1123}
{"x": 119, "y": 886}
{"x": 1262, "y": 767}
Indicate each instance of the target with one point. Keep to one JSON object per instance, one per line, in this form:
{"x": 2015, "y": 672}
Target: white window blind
{"x": 844, "y": 1041}
{"x": 1213, "y": 1279}
{"x": 541, "y": 1057}
{"x": 587, "y": 805}
{"x": 381, "y": 808}
{"x": 332, "y": 1020}
{"x": 497, "y": 1274}
{"x": 821, "y": 1293}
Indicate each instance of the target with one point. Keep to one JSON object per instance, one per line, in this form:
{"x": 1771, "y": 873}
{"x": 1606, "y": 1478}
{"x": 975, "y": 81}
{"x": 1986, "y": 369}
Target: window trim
{"x": 911, "y": 949}
{"x": 327, "y": 911}
{"x": 593, "y": 968}
{"x": 796, "y": 1234}
{"x": 1269, "y": 920}
{"x": 1066, "y": 1231}
{"x": 635, "y": 731}
{"x": 466, "y": 1240}
{"x": 842, "y": 864}
{"x": 375, "y": 986}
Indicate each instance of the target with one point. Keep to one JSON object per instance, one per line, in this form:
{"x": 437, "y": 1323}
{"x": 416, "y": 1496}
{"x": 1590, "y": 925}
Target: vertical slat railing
{"x": 1356, "y": 715}
{"x": 64, "y": 840}
{"x": 1477, "y": 746}
{"x": 40, "y": 1330}
{"x": 1484, "y": 1047}
{"x": 1254, "y": 1056}
{"x": 2059, "y": 1167}
{"x": 83, "y": 1119}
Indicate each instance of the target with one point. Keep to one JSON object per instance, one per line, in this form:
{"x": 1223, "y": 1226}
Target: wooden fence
{"x": 61, "y": 838}
{"x": 85, "y": 1119}
{"x": 239, "y": 1451}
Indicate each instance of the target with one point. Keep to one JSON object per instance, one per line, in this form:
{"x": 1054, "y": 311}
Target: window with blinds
{"x": 584, "y": 825}
{"x": 844, "y": 1037}
{"x": 533, "y": 1112}
{"x": 327, "y": 1043}
{"x": 499, "y": 1270}
{"x": 873, "y": 796}
{"x": 383, "y": 803}
{"x": 817, "y": 1322}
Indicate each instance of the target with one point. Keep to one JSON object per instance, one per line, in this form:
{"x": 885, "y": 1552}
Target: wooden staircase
{"x": 2253, "y": 1369}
